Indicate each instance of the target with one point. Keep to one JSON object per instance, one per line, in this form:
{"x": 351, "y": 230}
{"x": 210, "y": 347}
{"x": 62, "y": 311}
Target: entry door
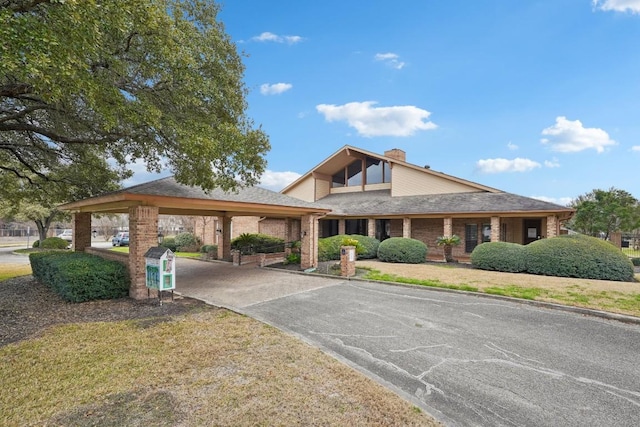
{"x": 532, "y": 230}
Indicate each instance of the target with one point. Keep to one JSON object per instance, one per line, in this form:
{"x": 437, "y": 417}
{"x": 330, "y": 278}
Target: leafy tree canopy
{"x": 151, "y": 80}
{"x": 602, "y": 212}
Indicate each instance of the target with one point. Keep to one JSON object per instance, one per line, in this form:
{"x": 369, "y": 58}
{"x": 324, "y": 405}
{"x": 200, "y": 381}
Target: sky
{"x": 539, "y": 98}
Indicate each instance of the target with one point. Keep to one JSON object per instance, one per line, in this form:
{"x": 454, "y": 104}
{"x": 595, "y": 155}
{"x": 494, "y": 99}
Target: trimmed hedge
{"x": 400, "y": 249}
{"x": 79, "y": 277}
{"x": 578, "y": 256}
{"x": 257, "y": 243}
{"x": 329, "y": 247}
{"x": 500, "y": 256}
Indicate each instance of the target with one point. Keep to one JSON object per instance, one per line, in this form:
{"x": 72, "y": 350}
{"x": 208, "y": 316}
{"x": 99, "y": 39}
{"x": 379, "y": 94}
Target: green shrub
{"x": 79, "y": 277}
{"x": 210, "y": 251}
{"x": 400, "y": 249}
{"x": 54, "y": 243}
{"x": 292, "y": 258}
{"x": 169, "y": 243}
{"x": 249, "y": 244}
{"x": 578, "y": 256}
{"x": 329, "y": 247}
{"x": 635, "y": 261}
{"x": 186, "y": 242}
{"x": 499, "y": 256}
{"x": 36, "y": 244}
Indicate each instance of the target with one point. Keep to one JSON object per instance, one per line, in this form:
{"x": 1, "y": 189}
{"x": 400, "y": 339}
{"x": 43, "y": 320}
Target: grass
{"x": 207, "y": 367}
{"x": 125, "y": 249}
{"x": 616, "y": 297}
{"x": 376, "y": 275}
{"x": 8, "y": 271}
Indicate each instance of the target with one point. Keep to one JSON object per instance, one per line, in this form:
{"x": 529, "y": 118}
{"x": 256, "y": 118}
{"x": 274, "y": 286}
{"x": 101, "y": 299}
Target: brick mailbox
{"x": 347, "y": 261}
{"x": 160, "y": 267}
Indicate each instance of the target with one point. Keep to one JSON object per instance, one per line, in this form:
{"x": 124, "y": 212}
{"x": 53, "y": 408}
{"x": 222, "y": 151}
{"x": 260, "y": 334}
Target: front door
{"x": 532, "y": 230}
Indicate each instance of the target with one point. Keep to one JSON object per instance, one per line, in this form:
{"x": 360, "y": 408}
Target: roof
{"x": 381, "y": 203}
{"x": 348, "y": 154}
{"x": 173, "y": 198}
{"x": 156, "y": 252}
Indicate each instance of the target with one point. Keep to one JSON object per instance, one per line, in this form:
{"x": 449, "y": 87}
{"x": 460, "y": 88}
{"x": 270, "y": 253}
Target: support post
{"x": 143, "y": 234}
{"x": 81, "y": 231}
{"x": 224, "y": 239}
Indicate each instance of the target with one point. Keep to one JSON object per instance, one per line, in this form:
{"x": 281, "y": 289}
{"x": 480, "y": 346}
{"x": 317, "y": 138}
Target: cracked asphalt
{"x": 472, "y": 361}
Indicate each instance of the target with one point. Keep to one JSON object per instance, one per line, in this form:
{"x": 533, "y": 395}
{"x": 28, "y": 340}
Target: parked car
{"x": 120, "y": 239}
{"x": 66, "y": 234}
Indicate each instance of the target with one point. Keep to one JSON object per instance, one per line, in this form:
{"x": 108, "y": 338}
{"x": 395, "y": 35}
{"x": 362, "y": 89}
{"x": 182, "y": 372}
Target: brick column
{"x": 224, "y": 239}
{"x": 495, "y": 228}
{"x": 288, "y": 236}
{"x": 371, "y": 227}
{"x": 143, "y": 234}
{"x": 347, "y": 261}
{"x": 448, "y": 226}
{"x": 81, "y": 231}
{"x": 309, "y": 241}
{"x": 553, "y": 227}
{"x": 406, "y": 228}
{"x": 342, "y": 226}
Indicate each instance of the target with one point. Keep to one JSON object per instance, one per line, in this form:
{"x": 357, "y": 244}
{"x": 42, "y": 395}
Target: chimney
{"x": 396, "y": 153}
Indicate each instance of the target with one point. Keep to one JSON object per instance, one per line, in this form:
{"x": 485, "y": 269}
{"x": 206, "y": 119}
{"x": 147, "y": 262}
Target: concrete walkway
{"x": 237, "y": 287}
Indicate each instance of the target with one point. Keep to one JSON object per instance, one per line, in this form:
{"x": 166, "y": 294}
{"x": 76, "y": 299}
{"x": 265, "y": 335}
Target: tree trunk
{"x": 448, "y": 253}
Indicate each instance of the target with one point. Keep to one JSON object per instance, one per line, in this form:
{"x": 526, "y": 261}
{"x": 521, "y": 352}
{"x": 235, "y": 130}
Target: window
{"x": 337, "y": 180}
{"x": 486, "y": 233}
{"x": 355, "y": 226}
{"x": 503, "y": 232}
{"x": 383, "y": 229}
{"x": 375, "y": 171}
{"x": 470, "y": 237}
{"x": 354, "y": 173}
{"x": 328, "y": 227}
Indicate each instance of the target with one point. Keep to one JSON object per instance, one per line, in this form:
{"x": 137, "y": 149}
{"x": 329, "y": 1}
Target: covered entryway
{"x": 145, "y": 202}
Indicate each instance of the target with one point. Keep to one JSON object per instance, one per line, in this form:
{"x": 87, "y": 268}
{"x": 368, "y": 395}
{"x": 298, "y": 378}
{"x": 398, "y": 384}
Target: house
{"x": 385, "y": 196}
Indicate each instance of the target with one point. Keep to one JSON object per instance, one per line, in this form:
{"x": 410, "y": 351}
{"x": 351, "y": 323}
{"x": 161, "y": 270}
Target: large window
{"x": 359, "y": 172}
{"x": 356, "y": 226}
{"x": 470, "y": 237}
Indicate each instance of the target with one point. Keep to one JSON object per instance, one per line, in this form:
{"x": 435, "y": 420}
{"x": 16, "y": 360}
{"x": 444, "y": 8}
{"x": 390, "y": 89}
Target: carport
{"x": 143, "y": 203}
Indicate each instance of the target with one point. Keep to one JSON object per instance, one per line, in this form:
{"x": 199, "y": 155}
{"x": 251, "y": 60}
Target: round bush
{"x": 169, "y": 243}
{"x": 186, "y": 240}
{"x": 400, "y": 249}
{"x": 499, "y": 256}
{"x": 36, "y": 244}
{"x": 578, "y": 256}
{"x": 249, "y": 243}
{"x": 368, "y": 246}
{"x": 54, "y": 243}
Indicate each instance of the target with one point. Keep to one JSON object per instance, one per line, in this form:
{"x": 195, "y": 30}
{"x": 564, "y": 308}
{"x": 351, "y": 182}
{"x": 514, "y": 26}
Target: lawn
{"x": 7, "y": 271}
{"x": 616, "y": 297}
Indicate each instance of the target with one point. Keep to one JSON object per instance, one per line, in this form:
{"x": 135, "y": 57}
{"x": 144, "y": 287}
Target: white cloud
{"x": 568, "y": 136}
{"x": 632, "y": 6}
{"x": 390, "y": 59}
{"x": 635, "y": 148}
{"x": 400, "y": 120}
{"x": 505, "y": 165}
{"x": 274, "y": 89}
{"x": 562, "y": 201}
{"x": 276, "y": 181}
{"x": 270, "y": 37}
{"x": 511, "y": 146}
{"x": 553, "y": 163}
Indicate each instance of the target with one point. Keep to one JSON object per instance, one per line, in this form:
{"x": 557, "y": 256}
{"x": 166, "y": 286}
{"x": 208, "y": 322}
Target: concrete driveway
{"x": 464, "y": 359}
{"x": 223, "y": 285}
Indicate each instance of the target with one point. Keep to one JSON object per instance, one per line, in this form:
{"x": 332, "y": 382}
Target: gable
{"x": 410, "y": 181}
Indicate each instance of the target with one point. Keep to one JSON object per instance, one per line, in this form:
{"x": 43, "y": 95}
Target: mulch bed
{"x": 27, "y": 307}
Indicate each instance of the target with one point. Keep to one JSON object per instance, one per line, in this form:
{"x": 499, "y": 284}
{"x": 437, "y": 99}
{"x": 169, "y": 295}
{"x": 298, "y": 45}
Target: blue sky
{"x": 538, "y": 98}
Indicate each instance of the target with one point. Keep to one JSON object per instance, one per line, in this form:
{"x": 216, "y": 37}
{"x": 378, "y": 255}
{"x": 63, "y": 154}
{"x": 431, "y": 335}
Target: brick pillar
{"x": 371, "y": 227}
{"x": 406, "y": 228}
{"x": 342, "y": 226}
{"x": 143, "y": 234}
{"x": 448, "y": 227}
{"x": 553, "y": 226}
{"x": 309, "y": 241}
{"x": 224, "y": 238}
{"x": 81, "y": 231}
{"x": 347, "y": 261}
{"x": 288, "y": 235}
{"x": 495, "y": 228}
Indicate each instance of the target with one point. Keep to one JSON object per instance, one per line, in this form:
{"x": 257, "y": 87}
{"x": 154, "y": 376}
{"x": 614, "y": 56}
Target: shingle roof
{"x": 169, "y": 187}
{"x": 380, "y": 202}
